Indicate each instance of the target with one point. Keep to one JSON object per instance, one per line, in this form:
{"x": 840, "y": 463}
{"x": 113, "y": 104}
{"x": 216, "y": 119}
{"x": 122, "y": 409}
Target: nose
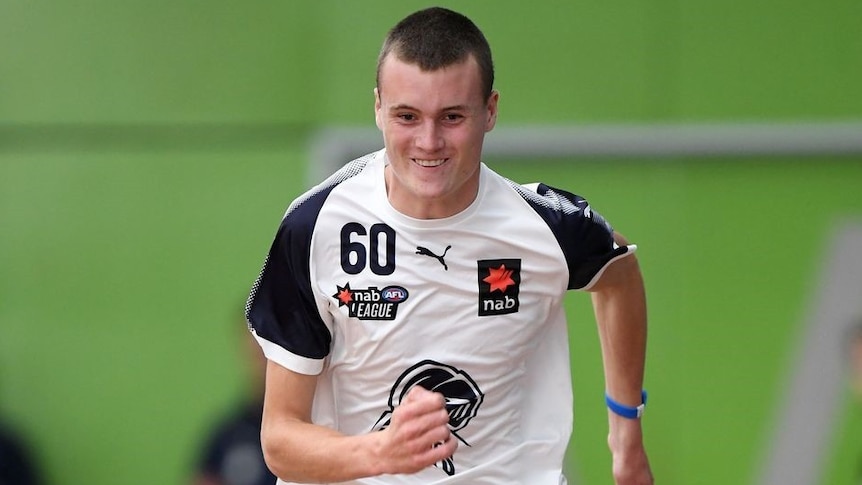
{"x": 429, "y": 137}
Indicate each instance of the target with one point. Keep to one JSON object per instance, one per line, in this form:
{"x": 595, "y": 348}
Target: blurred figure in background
{"x": 855, "y": 344}
{"x": 856, "y": 360}
{"x": 232, "y": 455}
{"x": 17, "y": 462}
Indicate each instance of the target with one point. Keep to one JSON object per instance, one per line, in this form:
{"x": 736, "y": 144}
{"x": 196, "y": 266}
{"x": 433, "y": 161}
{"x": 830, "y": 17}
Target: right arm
{"x": 297, "y": 450}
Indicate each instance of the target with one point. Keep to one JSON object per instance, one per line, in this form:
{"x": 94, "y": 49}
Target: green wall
{"x": 97, "y": 61}
{"x": 148, "y": 150}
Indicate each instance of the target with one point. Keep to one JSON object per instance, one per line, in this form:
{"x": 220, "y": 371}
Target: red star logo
{"x": 499, "y": 278}
{"x": 344, "y": 295}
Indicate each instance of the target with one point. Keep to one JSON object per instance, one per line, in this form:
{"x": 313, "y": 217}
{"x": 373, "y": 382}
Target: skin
{"x": 433, "y": 125}
{"x": 297, "y": 450}
{"x": 619, "y": 303}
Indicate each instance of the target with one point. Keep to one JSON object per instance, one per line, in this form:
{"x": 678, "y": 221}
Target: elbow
{"x": 274, "y": 455}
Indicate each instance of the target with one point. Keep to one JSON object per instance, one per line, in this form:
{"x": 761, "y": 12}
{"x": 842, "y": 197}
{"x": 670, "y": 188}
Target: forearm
{"x": 621, "y": 315}
{"x": 297, "y": 450}
{"x": 619, "y": 301}
{"x": 301, "y": 452}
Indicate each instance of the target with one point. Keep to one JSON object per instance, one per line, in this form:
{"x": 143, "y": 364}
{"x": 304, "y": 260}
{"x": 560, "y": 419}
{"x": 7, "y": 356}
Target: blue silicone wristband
{"x": 627, "y": 411}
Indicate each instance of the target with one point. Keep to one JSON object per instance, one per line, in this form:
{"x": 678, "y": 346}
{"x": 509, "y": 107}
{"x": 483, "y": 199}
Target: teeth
{"x": 430, "y": 163}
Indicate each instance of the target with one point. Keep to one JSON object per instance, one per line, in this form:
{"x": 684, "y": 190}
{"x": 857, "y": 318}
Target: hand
{"x": 632, "y": 468}
{"x": 630, "y": 462}
{"x": 418, "y": 434}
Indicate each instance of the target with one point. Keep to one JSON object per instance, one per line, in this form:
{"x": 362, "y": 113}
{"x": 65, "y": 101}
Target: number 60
{"x": 354, "y": 255}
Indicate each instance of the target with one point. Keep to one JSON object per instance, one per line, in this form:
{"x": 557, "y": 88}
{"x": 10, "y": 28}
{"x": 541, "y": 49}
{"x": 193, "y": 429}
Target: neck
{"x": 431, "y": 207}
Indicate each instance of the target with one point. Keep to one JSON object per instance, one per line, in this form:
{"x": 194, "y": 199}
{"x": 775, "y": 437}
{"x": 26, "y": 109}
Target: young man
{"x": 411, "y": 306}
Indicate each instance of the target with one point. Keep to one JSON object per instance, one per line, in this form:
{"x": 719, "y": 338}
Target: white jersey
{"x": 470, "y": 306}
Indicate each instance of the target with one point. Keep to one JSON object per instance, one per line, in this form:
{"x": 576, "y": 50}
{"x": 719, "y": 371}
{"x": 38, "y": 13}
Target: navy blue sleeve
{"x": 586, "y": 238}
{"x": 281, "y": 308}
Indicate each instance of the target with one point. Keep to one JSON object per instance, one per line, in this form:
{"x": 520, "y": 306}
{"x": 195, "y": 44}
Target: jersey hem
{"x": 630, "y": 249}
{"x": 288, "y": 360}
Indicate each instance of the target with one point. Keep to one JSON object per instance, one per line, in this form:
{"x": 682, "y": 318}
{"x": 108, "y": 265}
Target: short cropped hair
{"x": 435, "y": 38}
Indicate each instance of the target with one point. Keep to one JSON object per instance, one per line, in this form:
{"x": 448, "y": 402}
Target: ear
{"x": 492, "y": 111}
{"x": 378, "y": 118}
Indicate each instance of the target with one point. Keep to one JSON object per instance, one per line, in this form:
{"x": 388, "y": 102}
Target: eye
{"x": 453, "y": 117}
{"x": 406, "y": 116}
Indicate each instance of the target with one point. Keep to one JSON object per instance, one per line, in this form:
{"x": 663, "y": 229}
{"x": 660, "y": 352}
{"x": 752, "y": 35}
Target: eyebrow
{"x": 459, "y": 107}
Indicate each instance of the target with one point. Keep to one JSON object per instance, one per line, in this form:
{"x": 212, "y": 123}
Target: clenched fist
{"x": 418, "y": 434}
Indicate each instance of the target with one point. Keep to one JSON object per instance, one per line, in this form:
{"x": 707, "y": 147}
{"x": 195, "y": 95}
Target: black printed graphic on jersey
{"x": 374, "y": 247}
{"x": 499, "y": 286}
{"x": 371, "y": 303}
{"x": 427, "y": 252}
{"x": 461, "y": 392}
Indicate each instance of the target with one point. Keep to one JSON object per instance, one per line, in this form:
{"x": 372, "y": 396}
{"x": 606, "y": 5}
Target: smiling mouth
{"x": 429, "y": 163}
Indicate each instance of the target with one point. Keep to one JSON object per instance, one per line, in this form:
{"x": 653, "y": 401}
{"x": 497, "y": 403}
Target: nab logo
{"x": 371, "y": 303}
{"x": 499, "y": 285}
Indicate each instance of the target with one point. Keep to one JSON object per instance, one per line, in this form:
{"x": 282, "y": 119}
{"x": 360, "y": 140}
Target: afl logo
{"x": 393, "y": 294}
{"x": 371, "y": 303}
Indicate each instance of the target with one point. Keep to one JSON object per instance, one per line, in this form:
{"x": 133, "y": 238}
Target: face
{"x": 433, "y": 125}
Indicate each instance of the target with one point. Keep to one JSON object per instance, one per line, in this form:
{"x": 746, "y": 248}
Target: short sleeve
{"x": 585, "y": 237}
{"x": 281, "y": 309}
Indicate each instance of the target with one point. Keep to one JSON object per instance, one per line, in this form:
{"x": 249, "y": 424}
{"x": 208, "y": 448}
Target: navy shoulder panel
{"x": 584, "y": 236}
{"x": 281, "y": 307}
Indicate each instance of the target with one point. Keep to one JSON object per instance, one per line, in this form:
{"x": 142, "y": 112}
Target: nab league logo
{"x": 499, "y": 285}
{"x": 371, "y": 303}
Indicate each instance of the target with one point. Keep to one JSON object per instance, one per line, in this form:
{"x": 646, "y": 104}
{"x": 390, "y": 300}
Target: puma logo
{"x": 427, "y": 252}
